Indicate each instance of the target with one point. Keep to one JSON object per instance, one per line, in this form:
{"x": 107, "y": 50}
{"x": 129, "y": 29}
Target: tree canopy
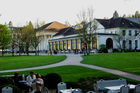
{"x": 5, "y": 37}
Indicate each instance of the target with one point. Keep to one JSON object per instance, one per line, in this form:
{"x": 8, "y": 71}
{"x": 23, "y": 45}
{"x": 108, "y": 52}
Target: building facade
{"x": 114, "y": 33}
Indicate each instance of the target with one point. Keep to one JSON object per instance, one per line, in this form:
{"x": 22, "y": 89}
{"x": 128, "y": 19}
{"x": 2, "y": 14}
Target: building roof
{"x": 66, "y": 31}
{"x": 136, "y": 20}
{"x": 53, "y": 26}
{"x": 118, "y": 22}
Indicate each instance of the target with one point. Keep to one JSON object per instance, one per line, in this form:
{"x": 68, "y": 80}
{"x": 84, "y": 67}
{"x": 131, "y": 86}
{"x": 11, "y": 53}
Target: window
{"x": 136, "y": 44}
{"x": 136, "y": 33}
{"x": 123, "y": 32}
{"x": 123, "y": 44}
{"x": 130, "y": 44}
{"x": 130, "y": 33}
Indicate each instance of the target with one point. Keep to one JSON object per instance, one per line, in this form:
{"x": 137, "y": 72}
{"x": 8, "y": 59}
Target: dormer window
{"x": 123, "y": 32}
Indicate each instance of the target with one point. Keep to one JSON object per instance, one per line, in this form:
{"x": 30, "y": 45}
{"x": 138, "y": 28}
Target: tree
{"x": 118, "y": 38}
{"x": 115, "y": 14}
{"x": 124, "y": 16}
{"x": 35, "y": 41}
{"x": 5, "y": 37}
{"x": 86, "y": 28}
{"x": 137, "y": 15}
{"x": 20, "y": 40}
{"x": 10, "y": 24}
{"x": 27, "y": 36}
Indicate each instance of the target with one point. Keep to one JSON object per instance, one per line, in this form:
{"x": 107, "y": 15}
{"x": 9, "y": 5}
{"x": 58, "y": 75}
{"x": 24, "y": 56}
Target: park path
{"x": 75, "y": 60}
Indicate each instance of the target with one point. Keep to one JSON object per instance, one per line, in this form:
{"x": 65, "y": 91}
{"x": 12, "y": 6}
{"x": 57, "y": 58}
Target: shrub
{"x": 102, "y": 48}
{"x": 51, "y": 80}
{"x": 5, "y": 80}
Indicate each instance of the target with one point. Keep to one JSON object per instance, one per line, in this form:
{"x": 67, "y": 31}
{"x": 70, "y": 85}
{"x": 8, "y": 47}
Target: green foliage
{"x": 102, "y": 48}
{"x": 9, "y": 62}
{"x": 128, "y": 62}
{"x": 5, "y": 37}
{"x": 5, "y": 81}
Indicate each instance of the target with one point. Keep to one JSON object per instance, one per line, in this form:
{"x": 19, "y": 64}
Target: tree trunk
{"x": 35, "y": 51}
{"x": 12, "y": 51}
{"x": 2, "y": 51}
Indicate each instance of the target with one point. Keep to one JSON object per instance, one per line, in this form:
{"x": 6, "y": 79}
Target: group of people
{"x": 32, "y": 82}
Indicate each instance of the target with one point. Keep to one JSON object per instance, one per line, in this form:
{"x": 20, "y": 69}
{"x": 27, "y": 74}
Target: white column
{"x": 91, "y": 44}
{"x": 48, "y": 45}
{"x": 62, "y": 45}
{"x": 66, "y": 44}
{"x": 80, "y": 44}
{"x": 55, "y": 45}
{"x": 58, "y": 45}
{"x": 70, "y": 44}
{"x": 75, "y": 43}
{"x": 51, "y": 45}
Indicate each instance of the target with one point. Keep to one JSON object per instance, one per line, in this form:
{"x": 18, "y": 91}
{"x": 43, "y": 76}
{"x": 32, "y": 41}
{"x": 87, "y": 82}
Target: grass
{"x": 71, "y": 73}
{"x": 128, "y": 62}
{"x": 9, "y": 62}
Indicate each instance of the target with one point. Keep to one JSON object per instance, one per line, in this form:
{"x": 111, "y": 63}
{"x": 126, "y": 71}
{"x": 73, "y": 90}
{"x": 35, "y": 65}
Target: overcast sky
{"x": 21, "y": 11}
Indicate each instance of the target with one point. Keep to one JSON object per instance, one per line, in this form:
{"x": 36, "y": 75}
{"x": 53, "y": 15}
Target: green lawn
{"x": 128, "y": 62}
{"x": 71, "y": 73}
{"x": 68, "y": 73}
{"x": 9, "y": 62}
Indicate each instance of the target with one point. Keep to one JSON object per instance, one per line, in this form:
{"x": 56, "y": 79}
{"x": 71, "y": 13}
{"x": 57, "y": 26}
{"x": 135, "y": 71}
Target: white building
{"x": 106, "y": 33}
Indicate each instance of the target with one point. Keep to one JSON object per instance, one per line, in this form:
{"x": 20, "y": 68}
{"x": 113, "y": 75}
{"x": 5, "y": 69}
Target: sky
{"x": 22, "y": 11}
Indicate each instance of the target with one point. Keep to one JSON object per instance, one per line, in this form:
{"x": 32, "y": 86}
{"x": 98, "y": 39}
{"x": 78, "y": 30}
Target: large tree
{"x": 87, "y": 27}
{"x": 115, "y": 14}
{"x": 35, "y": 42}
{"x": 27, "y": 36}
{"x": 5, "y": 37}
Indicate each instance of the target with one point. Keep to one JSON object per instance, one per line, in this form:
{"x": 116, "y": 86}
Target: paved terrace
{"x": 75, "y": 60}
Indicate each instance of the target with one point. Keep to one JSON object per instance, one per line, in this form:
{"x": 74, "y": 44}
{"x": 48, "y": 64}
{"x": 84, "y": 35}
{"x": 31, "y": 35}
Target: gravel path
{"x": 75, "y": 60}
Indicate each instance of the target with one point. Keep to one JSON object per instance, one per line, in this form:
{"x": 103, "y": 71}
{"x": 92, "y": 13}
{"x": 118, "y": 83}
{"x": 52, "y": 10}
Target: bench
{"x": 100, "y": 85}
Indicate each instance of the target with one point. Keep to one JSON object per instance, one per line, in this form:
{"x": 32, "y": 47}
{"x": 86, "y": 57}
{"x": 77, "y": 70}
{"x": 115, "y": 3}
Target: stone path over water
{"x": 75, "y": 60}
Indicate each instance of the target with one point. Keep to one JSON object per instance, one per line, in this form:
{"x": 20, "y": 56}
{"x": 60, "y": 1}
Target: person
{"x": 38, "y": 84}
{"x": 16, "y": 79}
{"x": 30, "y": 78}
{"x": 19, "y": 84}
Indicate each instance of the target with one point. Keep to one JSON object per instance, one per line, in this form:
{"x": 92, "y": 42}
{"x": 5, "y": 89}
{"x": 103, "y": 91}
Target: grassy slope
{"x": 72, "y": 73}
{"x": 129, "y": 62}
{"x": 9, "y": 62}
